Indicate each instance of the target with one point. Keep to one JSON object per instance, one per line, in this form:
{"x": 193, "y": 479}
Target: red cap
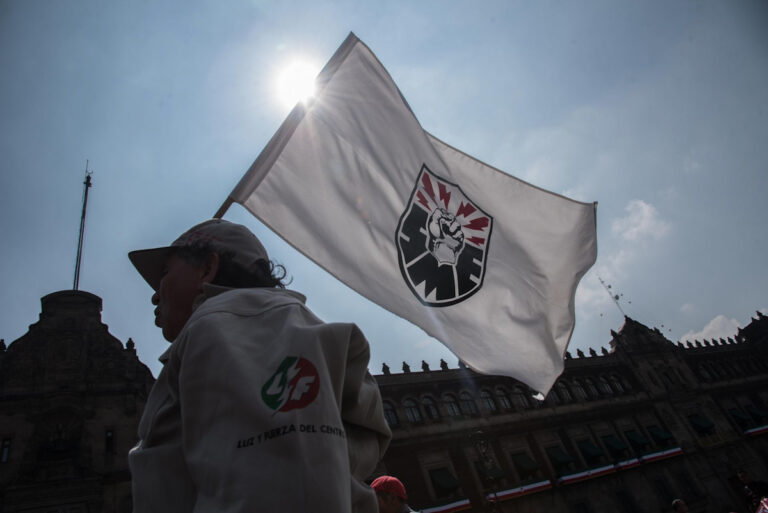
{"x": 391, "y": 485}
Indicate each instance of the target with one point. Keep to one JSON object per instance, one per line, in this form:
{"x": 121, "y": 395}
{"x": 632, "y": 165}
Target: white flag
{"x": 483, "y": 262}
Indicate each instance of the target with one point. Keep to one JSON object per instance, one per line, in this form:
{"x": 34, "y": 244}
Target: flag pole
{"x": 223, "y": 208}
{"x": 87, "y": 184}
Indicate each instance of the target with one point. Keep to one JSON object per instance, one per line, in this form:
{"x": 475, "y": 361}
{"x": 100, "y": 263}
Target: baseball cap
{"x": 391, "y": 485}
{"x": 222, "y": 236}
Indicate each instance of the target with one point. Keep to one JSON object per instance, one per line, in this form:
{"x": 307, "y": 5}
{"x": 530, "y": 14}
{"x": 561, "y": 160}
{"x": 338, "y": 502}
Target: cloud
{"x": 687, "y": 308}
{"x": 719, "y": 327}
{"x": 642, "y": 221}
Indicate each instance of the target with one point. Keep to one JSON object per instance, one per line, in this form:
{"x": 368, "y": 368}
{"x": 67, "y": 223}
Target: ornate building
{"x": 629, "y": 429}
{"x": 70, "y": 399}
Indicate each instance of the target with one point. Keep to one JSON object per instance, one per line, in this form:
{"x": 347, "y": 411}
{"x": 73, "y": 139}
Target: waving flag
{"x": 482, "y": 261}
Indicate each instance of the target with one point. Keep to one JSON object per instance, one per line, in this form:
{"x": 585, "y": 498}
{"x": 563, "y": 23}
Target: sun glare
{"x": 296, "y": 82}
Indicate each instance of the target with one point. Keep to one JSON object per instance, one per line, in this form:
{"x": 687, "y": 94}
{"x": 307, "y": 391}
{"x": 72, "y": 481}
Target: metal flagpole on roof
{"x": 87, "y": 184}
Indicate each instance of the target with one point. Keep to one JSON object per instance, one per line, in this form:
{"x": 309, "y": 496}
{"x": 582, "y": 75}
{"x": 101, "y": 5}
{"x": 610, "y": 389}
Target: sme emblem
{"x": 294, "y": 385}
{"x": 442, "y": 242}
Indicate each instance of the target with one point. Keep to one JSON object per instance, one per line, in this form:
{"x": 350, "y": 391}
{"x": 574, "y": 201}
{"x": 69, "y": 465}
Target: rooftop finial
{"x": 87, "y": 184}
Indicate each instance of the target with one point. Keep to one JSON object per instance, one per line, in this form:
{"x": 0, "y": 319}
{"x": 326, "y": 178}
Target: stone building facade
{"x": 628, "y": 429}
{"x": 71, "y": 396}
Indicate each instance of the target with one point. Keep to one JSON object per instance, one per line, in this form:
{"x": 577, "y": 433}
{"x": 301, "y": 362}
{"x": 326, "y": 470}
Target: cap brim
{"x": 149, "y": 263}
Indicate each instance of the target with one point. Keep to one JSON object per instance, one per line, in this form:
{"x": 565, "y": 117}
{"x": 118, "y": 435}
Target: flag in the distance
{"x": 484, "y": 262}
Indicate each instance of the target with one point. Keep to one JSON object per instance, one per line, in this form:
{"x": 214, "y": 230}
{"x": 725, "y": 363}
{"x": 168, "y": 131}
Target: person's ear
{"x": 210, "y": 268}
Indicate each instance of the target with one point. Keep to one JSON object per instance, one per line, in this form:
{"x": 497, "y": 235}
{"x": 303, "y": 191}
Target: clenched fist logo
{"x": 442, "y": 241}
{"x": 446, "y": 239}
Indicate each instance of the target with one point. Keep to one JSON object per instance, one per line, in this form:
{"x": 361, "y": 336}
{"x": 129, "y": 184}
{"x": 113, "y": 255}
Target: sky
{"x": 656, "y": 110}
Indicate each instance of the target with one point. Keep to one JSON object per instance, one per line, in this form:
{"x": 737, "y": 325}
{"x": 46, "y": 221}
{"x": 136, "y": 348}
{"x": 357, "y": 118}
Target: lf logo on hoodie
{"x": 294, "y": 385}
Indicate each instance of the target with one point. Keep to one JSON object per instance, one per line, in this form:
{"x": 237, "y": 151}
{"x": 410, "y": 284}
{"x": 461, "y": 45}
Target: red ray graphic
{"x": 445, "y": 196}
{"x": 476, "y": 240}
{"x": 421, "y": 199}
{"x": 465, "y": 209}
{"x": 477, "y": 224}
{"x": 427, "y": 184}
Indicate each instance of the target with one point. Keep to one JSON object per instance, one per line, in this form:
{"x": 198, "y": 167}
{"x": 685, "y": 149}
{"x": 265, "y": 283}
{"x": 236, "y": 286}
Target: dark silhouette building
{"x": 71, "y": 396}
{"x": 626, "y": 430}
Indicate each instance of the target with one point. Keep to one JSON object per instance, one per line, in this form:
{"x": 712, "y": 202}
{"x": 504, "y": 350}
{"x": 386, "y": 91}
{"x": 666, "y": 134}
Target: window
{"x": 581, "y": 507}
{"x": 390, "y": 414}
{"x": 560, "y": 459}
{"x": 468, "y": 406}
{"x": 552, "y": 397}
{"x": 5, "y": 452}
{"x": 563, "y": 392}
{"x": 637, "y": 440}
{"x": 757, "y": 414}
{"x": 452, "y": 406}
{"x": 701, "y": 424}
{"x": 626, "y": 502}
{"x": 488, "y": 401}
{"x": 605, "y": 388}
{"x": 616, "y": 446}
{"x": 578, "y": 389}
{"x": 443, "y": 482}
{"x": 687, "y": 485}
{"x": 521, "y": 399}
{"x": 663, "y": 492}
{"x": 742, "y": 420}
{"x": 109, "y": 441}
{"x": 430, "y": 408}
{"x": 503, "y": 398}
{"x": 489, "y": 472}
{"x": 525, "y": 466}
{"x": 592, "y": 454}
{"x": 412, "y": 412}
{"x": 591, "y": 389}
{"x": 617, "y": 386}
{"x": 662, "y": 437}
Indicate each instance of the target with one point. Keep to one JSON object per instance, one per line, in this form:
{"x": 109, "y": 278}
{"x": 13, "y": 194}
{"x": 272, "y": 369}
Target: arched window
{"x": 390, "y": 414}
{"x": 578, "y": 389}
{"x": 488, "y": 401}
{"x": 430, "y": 408}
{"x": 617, "y": 386}
{"x": 667, "y": 380}
{"x": 591, "y": 389}
{"x": 563, "y": 392}
{"x": 451, "y": 406}
{"x": 704, "y": 373}
{"x": 412, "y": 411}
{"x": 521, "y": 399}
{"x": 604, "y": 386}
{"x": 468, "y": 406}
{"x": 503, "y": 398}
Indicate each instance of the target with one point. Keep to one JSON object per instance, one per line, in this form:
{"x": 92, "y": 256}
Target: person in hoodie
{"x": 260, "y": 405}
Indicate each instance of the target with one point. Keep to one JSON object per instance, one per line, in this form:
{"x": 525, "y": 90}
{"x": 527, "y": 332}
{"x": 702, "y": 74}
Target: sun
{"x": 296, "y": 82}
